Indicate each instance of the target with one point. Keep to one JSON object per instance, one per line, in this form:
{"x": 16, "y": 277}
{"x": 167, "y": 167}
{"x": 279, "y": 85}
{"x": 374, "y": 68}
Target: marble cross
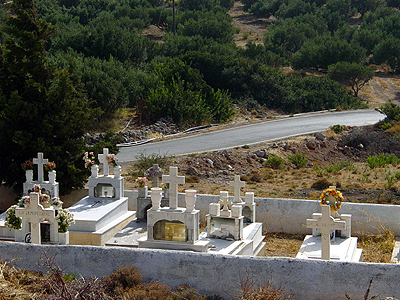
{"x": 41, "y": 162}
{"x": 326, "y": 224}
{"x": 173, "y": 180}
{"x": 36, "y": 214}
{"x": 237, "y": 184}
{"x": 103, "y": 160}
{"x": 224, "y": 200}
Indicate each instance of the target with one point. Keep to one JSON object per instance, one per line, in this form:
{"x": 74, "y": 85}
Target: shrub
{"x": 299, "y": 160}
{"x": 322, "y": 183}
{"x": 274, "y": 162}
{"x": 337, "y": 128}
{"x": 143, "y": 162}
{"x": 386, "y": 126}
{"x": 192, "y": 179}
{"x": 123, "y": 278}
{"x": 256, "y": 177}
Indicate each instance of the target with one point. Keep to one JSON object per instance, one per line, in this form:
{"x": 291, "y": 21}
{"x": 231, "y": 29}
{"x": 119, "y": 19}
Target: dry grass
{"x": 282, "y": 244}
{"x": 377, "y": 248}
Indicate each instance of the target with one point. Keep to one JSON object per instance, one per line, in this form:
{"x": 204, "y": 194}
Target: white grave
{"x": 51, "y": 185}
{"x": 39, "y": 225}
{"x": 104, "y": 212}
{"x": 325, "y": 243}
{"x": 173, "y": 227}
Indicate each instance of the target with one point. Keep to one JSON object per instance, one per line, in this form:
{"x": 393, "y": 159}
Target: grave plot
{"x": 103, "y": 213}
{"x": 331, "y": 239}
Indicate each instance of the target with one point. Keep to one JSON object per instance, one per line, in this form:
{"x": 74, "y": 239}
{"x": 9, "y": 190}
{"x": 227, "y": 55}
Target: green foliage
{"x": 386, "y": 126}
{"x": 351, "y": 74}
{"x": 42, "y": 109}
{"x": 339, "y": 166}
{"x": 144, "y": 162}
{"x": 337, "y": 128}
{"x": 298, "y": 159}
{"x": 11, "y": 220}
{"x": 388, "y": 51}
{"x": 382, "y": 160}
{"x": 391, "y": 110}
{"x": 274, "y": 162}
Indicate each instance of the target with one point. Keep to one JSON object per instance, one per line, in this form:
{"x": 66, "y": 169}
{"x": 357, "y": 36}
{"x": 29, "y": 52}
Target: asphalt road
{"x": 251, "y": 134}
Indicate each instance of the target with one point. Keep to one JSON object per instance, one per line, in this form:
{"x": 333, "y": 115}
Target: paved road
{"x": 252, "y": 134}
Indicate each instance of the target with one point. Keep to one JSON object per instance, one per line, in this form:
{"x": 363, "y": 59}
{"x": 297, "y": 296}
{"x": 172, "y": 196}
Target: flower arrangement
{"x": 335, "y": 194}
{"x": 50, "y": 166}
{"x": 112, "y": 160}
{"x": 36, "y": 188}
{"x": 152, "y": 172}
{"x": 27, "y": 165}
{"x": 89, "y": 159}
{"x": 24, "y": 201}
{"x": 11, "y": 220}
{"x": 64, "y": 219}
{"x": 141, "y": 181}
{"x": 44, "y": 198}
{"x": 56, "y": 202}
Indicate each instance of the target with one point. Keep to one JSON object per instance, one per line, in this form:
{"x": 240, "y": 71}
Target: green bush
{"x": 274, "y": 162}
{"x": 337, "y": 128}
{"x": 143, "y": 162}
{"x": 298, "y": 159}
{"x": 382, "y": 160}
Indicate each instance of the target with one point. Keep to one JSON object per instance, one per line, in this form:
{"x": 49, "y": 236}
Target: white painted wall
{"x": 289, "y": 215}
{"x": 216, "y": 274}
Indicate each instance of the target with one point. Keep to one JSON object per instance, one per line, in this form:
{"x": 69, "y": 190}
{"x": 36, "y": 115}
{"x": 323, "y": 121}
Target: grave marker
{"x": 173, "y": 179}
{"x": 41, "y": 162}
{"x": 237, "y": 184}
{"x": 104, "y": 162}
{"x": 326, "y": 224}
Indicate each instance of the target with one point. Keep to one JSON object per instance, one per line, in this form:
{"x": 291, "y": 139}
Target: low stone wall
{"x": 289, "y": 215}
{"x": 216, "y": 274}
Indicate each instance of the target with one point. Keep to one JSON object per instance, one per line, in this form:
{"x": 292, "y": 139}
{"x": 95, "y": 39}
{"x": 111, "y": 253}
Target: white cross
{"x": 40, "y": 161}
{"x": 326, "y": 224}
{"x": 36, "y": 214}
{"x": 103, "y": 160}
{"x": 237, "y": 184}
{"x": 224, "y": 201}
{"x": 173, "y": 179}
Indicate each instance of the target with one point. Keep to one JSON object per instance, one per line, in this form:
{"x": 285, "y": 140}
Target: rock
{"x": 210, "y": 162}
{"x": 319, "y": 136}
{"x": 311, "y": 145}
{"x": 263, "y": 153}
{"x": 225, "y": 172}
{"x": 229, "y": 167}
{"x": 192, "y": 171}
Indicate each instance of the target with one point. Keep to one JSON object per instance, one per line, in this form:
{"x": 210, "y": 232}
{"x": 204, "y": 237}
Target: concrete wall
{"x": 216, "y": 274}
{"x": 289, "y": 215}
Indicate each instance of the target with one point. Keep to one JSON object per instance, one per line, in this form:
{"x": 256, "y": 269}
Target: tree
{"x": 388, "y": 51}
{"x": 351, "y": 74}
{"x": 41, "y": 109}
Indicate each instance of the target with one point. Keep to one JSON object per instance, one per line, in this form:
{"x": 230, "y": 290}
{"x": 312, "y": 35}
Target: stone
{"x": 192, "y": 171}
{"x": 210, "y": 162}
{"x": 311, "y": 145}
{"x": 319, "y": 136}
{"x": 237, "y": 184}
{"x": 173, "y": 179}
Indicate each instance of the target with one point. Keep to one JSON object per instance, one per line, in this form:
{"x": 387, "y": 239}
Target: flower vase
{"x": 63, "y": 238}
{"x": 190, "y": 199}
{"x": 29, "y": 175}
{"x": 143, "y": 192}
{"x": 52, "y": 176}
{"x": 156, "y": 194}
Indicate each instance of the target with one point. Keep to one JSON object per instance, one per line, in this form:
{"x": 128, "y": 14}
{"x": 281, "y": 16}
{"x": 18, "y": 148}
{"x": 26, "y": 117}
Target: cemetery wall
{"x": 289, "y": 215}
{"x": 216, "y": 274}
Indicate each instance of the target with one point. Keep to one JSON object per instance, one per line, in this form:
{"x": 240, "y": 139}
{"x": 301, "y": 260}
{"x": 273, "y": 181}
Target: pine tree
{"x": 42, "y": 109}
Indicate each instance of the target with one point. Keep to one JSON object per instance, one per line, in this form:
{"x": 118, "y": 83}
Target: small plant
{"x": 143, "y": 162}
{"x": 386, "y": 126}
{"x": 27, "y": 165}
{"x": 64, "y": 219}
{"x": 50, "y": 166}
{"x": 337, "y": 128}
{"x": 274, "y": 162}
{"x": 298, "y": 159}
{"x": 382, "y": 160}
{"x": 141, "y": 181}
{"x": 246, "y": 147}
{"x": 123, "y": 278}
{"x": 11, "y": 220}
{"x": 89, "y": 159}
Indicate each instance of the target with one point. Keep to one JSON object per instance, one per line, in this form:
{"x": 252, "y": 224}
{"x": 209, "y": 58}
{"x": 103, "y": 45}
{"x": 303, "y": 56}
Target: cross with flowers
{"x": 104, "y": 162}
{"x": 155, "y": 173}
{"x": 40, "y": 161}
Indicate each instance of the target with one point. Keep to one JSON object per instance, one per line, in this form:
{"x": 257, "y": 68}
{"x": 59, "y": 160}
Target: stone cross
{"x": 36, "y": 214}
{"x": 224, "y": 201}
{"x": 173, "y": 179}
{"x": 158, "y": 175}
{"x": 40, "y": 161}
{"x": 326, "y": 224}
{"x": 237, "y": 184}
{"x": 103, "y": 160}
